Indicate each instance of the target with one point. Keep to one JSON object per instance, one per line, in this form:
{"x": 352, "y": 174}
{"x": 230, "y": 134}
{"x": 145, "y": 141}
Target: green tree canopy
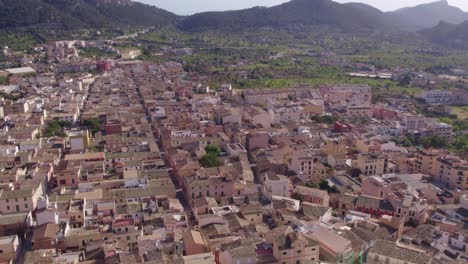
{"x": 210, "y": 161}
{"x": 213, "y": 149}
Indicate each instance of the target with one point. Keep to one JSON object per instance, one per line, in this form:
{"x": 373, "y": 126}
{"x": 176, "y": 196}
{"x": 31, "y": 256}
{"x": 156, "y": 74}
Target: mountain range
{"x": 115, "y": 14}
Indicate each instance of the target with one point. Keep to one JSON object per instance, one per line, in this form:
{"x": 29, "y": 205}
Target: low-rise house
{"x": 80, "y": 238}
{"x": 46, "y": 236}
{"x": 296, "y": 247}
{"x": 252, "y": 213}
{"x": 312, "y": 195}
{"x": 236, "y": 252}
{"x": 193, "y": 243}
{"x": 276, "y": 184}
{"x": 10, "y": 248}
{"x": 17, "y": 223}
{"x": 333, "y": 248}
{"x": 337, "y": 160}
{"x": 68, "y": 173}
{"x": 20, "y": 201}
{"x": 384, "y": 251}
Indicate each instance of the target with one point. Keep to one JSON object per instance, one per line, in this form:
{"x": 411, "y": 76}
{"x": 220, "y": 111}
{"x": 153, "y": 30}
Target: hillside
{"x": 425, "y": 16}
{"x": 79, "y": 14}
{"x": 297, "y": 12}
{"x": 451, "y": 35}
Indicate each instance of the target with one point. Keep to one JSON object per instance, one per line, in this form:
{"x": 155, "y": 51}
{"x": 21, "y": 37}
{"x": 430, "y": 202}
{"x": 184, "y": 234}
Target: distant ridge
{"x": 426, "y": 15}
{"x": 350, "y": 17}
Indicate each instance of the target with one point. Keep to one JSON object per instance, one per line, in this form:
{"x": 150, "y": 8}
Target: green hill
{"x": 79, "y": 14}
{"x": 450, "y": 35}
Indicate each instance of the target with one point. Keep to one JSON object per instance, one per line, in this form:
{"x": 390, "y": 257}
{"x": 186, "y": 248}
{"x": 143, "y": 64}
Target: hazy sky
{"x": 186, "y": 7}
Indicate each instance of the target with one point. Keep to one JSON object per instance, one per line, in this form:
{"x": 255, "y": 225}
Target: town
{"x": 129, "y": 161}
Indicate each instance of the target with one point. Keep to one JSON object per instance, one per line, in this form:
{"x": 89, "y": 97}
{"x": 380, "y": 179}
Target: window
{"x": 299, "y": 251}
{"x": 285, "y": 253}
{"x": 26, "y": 206}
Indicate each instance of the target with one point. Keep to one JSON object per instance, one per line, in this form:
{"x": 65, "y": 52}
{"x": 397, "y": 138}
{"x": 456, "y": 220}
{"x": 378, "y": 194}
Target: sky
{"x": 188, "y": 7}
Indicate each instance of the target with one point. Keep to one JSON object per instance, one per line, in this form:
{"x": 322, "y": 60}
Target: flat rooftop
{"x": 22, "y": 70}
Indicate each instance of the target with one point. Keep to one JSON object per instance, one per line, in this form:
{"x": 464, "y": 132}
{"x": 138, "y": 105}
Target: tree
{"x": 210, "y": 161}
{"x": 434, "y": 142}
{"x": 326, "y": 187}
{"x": 311, "y": 185}
{"x": 93, "y": 124}
{"x": 297, "y": 196}
{"x": 55, "y": 128}
{"x": 213, "y": 149}
{"x": 325, "y": 119}
{"x": 406, "y": 80}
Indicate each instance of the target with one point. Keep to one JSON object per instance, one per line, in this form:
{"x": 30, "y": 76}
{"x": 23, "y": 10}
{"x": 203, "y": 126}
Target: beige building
{"x": 414, "y": 122}
{"x": 453, "y": 172}
{"x": 68, "y": 173}
{"x": 312, "y": 195}
{"x": 361, "y": 111}
{"x": 388, "y": 252}
{"x": 193, "y": 243}
{"x": 295, "y": 248}
{"x": 334, "y": 146}
{"x": 371, "y": 164}
{"x": 252, "y": 213}
{"x": 20, "y": 201}
{"x": 442, "y": 130}
{"x": 426, "y": 161}
{"x": 303, "y": 162}
{"x": 276, "y": 184}
{"x": 79, "y": 141}
{"x": 10, "y": 248}
{"x": 333, "y": 248}
{"x": 80, "y": 237}
{"x": 239, "y": 254}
